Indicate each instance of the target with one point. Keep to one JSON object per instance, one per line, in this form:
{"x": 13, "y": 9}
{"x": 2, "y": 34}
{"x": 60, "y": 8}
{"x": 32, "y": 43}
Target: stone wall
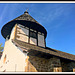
{"x": 39, "y": 63}
{"x": 64, "y": 66}
{"x": 67, "y": 65}
{"x": 71, "y": 66}
{"x": 53, "y": 64}
{"x": 45, "y": 65}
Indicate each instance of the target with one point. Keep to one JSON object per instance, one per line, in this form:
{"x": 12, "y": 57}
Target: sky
{"x": 57, "y": 18}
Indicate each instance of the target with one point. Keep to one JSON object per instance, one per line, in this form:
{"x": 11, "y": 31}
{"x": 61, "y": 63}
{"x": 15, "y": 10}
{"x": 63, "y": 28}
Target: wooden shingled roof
{"x": 49, "y": 51}
{"x": 26, "y": 17}
{"x": 25, "y": 20}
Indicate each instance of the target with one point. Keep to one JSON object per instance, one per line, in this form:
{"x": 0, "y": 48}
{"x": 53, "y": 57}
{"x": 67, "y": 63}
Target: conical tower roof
{"x": 25, "y": 20}
{"x": 26, "y": 17}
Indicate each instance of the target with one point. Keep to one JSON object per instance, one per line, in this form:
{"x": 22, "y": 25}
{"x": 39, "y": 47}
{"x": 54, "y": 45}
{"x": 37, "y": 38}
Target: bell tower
{"x": 26, "y": 29}
{"x": 21, "y": 33}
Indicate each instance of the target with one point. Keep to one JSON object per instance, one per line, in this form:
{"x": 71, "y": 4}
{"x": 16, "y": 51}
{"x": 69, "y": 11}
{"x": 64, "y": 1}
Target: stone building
{"x": 26, "y": 51}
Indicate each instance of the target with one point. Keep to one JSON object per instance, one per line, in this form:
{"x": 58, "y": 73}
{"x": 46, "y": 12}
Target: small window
{"x": 33, "y": 34}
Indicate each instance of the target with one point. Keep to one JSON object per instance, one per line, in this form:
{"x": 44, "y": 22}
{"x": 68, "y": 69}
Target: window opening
{"x": 33, "y": 34}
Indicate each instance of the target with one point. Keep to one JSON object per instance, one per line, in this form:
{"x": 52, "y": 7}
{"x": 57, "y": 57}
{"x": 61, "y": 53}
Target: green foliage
{"x": 1, "y": 48}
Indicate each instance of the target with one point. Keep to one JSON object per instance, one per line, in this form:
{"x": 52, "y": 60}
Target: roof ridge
{"x": 61, "y": 51}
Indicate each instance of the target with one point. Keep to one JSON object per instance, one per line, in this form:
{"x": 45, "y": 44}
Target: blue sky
{"x": 57, "y": 18}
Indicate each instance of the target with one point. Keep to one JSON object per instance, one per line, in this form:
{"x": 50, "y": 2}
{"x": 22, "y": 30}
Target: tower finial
{"x": 26, "y": 11}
